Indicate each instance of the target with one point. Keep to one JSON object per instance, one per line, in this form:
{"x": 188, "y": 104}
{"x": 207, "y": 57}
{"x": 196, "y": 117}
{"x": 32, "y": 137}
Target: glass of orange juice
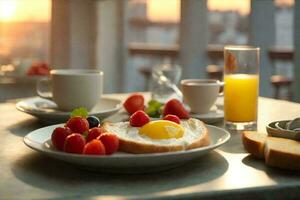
{"x": 241, "y": 77}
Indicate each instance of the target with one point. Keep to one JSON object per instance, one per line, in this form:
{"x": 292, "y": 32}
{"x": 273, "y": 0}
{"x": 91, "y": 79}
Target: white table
{"x": 226, "y": 173}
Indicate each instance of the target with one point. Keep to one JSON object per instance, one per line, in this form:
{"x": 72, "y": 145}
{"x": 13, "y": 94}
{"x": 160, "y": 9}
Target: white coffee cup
{"x": 72, "y": 88}
{"x": 200, "y": 94}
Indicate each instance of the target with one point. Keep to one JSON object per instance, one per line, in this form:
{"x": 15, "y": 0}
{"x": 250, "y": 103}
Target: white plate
{"x": 213, "y": 117}
{"x": 47, "y": 111}
{"x": 120, "y": 162}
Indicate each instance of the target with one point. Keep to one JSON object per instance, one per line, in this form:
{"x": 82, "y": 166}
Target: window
{"x": 284, "y": 20}
{"x": 153, "y": 38}
{"x": 24, "y": 34}
{"x": 228, "y": 22}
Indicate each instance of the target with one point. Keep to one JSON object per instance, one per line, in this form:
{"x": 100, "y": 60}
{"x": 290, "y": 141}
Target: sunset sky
{"x": 170, "y": 10}
{"x": 25, "y": 10}
{"x": 157, "y": 10}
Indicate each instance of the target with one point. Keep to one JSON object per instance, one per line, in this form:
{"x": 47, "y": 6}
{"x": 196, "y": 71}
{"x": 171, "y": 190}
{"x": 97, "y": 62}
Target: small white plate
{"x": 120, "y": 162}
{"x": 46, "y": 110}
{"x": 213, "y": 117}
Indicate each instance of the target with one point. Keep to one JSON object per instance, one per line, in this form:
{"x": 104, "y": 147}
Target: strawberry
{"x": 174, "y": 107}
{"x": 134, "y": 103}
{"x": 78, "y": 124}
{"x": 110, "y": 142}
{"x": 139, "y": 118}
{"x": 172, "y": 118}
{"x": 94, "y": 147}
{"x": 74, "y": 143}
{"x": 58, "y": 137}
{"x": 93, "y": 133}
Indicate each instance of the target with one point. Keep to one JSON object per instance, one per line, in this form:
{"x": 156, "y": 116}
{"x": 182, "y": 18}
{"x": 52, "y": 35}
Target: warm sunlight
{"x": 166, "y": 11}
{"x": 158, "y": 10}
{"x": 7, "y": 9}
{"x": 284, "y": 2}
{"x": 21, "y": 10}
{"x": 170, "y": 10}
{"x": 241, "y": 6}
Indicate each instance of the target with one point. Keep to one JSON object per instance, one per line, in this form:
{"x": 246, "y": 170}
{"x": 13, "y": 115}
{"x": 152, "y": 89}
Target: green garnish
{"x": 80, "y": 112}
{"x": 154, "y": 108}
{"x": 85, "y": 134}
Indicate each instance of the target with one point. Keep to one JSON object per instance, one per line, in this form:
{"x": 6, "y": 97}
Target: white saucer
{"x": 121, "y": 162}
{"x": 213, "y": 117}
{"x": 46, "y": 110}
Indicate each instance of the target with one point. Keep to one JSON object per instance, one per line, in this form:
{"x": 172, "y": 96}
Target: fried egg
{"x": 160, "y": 133}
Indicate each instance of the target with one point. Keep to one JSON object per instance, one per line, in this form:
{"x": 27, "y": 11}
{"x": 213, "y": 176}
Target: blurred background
{"x": 126, "y": 39}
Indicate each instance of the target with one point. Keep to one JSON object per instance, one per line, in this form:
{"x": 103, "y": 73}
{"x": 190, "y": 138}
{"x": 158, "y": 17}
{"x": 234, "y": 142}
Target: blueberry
{"x": 93, "y": 121}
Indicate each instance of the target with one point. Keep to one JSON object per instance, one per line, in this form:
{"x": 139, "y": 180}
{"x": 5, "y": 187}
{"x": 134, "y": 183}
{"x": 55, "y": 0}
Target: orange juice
{"x": 240, "y": 97}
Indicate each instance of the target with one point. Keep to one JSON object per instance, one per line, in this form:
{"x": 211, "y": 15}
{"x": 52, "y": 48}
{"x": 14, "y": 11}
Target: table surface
{"x": 225, "y": 173}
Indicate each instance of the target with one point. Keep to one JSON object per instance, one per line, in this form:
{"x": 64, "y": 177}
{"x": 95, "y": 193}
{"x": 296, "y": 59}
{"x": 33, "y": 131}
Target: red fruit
{"x": 174, "y": 107}
{"x": 58, "y": 137}
{"x": 93, "y": 133}
{"x": 110, "y": 142}
{"x": 172, "y": 118}
{"x": 139, "y": 118}
{"x": 94, "y": 147}
{"x": 74, "y": 143}
{"x": 78, "y": 124}
{"x": 134, "y": 103}
{"x": 38, "y": 68}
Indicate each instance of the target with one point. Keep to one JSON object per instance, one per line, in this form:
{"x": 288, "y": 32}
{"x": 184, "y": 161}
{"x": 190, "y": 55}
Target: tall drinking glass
{"x": 241, "y": 77}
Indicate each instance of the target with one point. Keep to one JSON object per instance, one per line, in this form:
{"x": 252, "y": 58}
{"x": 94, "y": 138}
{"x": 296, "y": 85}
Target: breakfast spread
{"x": 174, "y": 131}
{"x": 277, "y": 152}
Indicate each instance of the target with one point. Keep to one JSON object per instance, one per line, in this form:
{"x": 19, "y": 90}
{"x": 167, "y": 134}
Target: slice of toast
{"x": 277, "y": 152}
{"x": 282, "y": 153}
{"x": 254, "y": 143}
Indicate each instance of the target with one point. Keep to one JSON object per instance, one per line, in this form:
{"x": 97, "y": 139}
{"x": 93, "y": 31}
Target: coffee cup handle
{"x": 43, "y": 88}
{"x": 221, "y": 93}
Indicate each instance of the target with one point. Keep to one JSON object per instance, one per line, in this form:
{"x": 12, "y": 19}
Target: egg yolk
{"x": 162, "y": 129}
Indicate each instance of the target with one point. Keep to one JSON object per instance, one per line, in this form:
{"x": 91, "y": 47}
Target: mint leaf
{"x": 151, "y": 111}
{"x": 154, "y": 108}
{"x": 80, "y": 112}
{"x": 154, "y": 103}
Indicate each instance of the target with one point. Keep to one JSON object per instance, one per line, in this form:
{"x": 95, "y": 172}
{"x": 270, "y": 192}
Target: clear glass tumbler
{"x": 165, "y": 78}
{"x": 241, "y": 77}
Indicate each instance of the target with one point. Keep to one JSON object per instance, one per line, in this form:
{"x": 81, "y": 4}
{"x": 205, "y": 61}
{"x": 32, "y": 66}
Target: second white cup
{"x": 200, "y": 94}
{"x": 72, "y": 88}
